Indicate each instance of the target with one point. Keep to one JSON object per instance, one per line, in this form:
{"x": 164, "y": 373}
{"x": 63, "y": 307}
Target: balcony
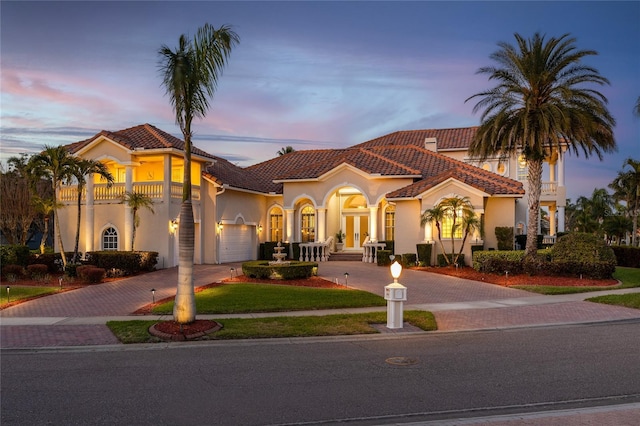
{"x": 103, "y": 194}
{"x": 549, "y": 188}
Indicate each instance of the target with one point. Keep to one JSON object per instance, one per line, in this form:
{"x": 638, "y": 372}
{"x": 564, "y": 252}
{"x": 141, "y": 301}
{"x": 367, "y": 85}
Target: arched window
{"x": 275, "y": 224}
{"x": 447, "y": 225}
{"x": 308, "y": 224}
{"x": 110, "y": 239}
{"x": 390, "y": 223}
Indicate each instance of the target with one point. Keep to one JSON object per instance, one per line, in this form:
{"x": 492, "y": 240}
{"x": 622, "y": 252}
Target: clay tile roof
{"x": 448, "y": 139}
{"x": 144, "y": 136}
{"x": 224, "y": 172}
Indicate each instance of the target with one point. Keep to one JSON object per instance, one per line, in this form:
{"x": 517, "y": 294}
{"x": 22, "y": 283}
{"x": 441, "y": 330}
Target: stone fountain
{"x": 279, "y": 256}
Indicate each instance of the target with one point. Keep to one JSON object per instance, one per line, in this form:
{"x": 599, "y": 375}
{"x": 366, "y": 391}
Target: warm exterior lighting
{"x": 220, "y": 226}
{"x": 346, "y": 278}
{"x": 259, "y": 229}
{"x": 396, "y": 270}
{"x": 173, "y": 226}
{"x": 153, "y": 295}
{"x": 8, "y": 289}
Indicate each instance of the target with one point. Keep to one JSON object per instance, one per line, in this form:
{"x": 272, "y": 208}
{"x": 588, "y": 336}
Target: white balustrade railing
{"x": 549, "y": 188}
{"x": 314, "y": 252}
{"x": 370, "y": 251}
{"x": 103, "y": 192}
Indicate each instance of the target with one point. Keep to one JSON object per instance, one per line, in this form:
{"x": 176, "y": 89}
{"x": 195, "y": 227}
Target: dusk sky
{"x": 306, "y": 74}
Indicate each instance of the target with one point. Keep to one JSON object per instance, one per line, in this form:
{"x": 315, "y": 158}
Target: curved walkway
{"x": 78, "y": 317}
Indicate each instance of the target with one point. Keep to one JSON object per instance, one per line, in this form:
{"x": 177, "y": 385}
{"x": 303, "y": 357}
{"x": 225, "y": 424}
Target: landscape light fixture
{"x": 396, "y": 270}
{"x": 60, "y": 282}
{"x": 8, "y": 289}
{"x": 346, "y": 278}
{"x": 231, "y": 272}
{"x": 153, "y": 295}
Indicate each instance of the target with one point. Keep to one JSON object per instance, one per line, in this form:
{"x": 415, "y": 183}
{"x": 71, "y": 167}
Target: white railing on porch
{"x": 549, "y": 188}
{"x": 115, "y": 192}
{"x": 314, "y": 252}
{"x": 370, "y": 253}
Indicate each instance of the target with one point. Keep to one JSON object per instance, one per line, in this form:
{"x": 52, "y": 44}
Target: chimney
{"x": 431, "y": 144}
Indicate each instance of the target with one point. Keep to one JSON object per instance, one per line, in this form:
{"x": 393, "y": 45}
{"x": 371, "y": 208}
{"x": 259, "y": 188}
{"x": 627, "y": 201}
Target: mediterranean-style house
{"x": 371, "y": 192}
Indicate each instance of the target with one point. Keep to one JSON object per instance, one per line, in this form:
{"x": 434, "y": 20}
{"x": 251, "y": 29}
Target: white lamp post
{"x": 395, "y": 294}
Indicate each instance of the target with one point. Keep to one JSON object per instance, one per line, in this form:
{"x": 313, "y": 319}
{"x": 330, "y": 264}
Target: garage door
{"x": 236, "y": 243}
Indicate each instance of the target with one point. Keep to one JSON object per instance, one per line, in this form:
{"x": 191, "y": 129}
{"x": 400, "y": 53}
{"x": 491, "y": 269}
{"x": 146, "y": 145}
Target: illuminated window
{"x": 390, "y": 223}
{"x": 501, "y": 169}
{"x": 110, "y": 239}
{"x": 447, "y": 224}
{"x": 308, "y": 224}
{"x": 355, "y": 202}
{"x": 275, "y": 224}
{"x": 523, "y": 172}
{"x": 486, "y": 166}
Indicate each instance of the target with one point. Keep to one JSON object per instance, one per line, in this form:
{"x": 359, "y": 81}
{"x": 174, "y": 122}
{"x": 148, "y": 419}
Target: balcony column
{"x": 373, "y": 223}
{"x": 322, "y": 225}
{"x": 552, "y": 220}
{"x": 89, "y": 217}
{"x": 560, "y": 169}
{"x": 166, "y": 184}
{"x": 128, "y": 219}
{"x": 289, "y": 230}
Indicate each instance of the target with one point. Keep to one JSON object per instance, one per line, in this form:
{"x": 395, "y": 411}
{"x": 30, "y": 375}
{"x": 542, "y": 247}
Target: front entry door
{"x": 356, "y": 229}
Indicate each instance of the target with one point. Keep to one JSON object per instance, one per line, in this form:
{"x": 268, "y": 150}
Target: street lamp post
{"x": 395, "y": 294}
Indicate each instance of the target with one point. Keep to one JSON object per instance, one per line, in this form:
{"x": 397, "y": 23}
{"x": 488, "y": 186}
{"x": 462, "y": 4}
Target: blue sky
{"x": 305, "y": 74}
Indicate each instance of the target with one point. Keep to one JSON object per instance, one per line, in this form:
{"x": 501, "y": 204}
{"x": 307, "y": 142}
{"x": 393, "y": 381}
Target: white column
{"x": 322, "y": 225}
{"x": 560, "y": 169}
{"x": 552, "y": 220}
{"x": 289, "y": 232}
{"x": 166, "y": 184}
{"x": 560, "y": 219}
{"x": 373, "y": 223}
{"x": 89, "y": 217}
{"x": 428, "y": 232}
{"x": 128, "y": 219}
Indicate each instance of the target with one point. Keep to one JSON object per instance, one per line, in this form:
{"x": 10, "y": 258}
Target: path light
{"x": 346, "y": 278}
{"x": 395, "y": 294}
{"x": 60, "y": 282}
{"x": 232, "y": 271}
{"x": 8, "y": 289}
{"x": 153, "y": 295}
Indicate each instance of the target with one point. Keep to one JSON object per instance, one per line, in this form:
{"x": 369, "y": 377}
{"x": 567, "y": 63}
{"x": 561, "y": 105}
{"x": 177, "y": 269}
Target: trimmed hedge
{"x": 91, "y": 274}
{"x": 627, "y": 256}
{"x": 14, "y": 255}
{"x": 383, "y": 257}
{"x": 424, "y": 254}
{"x": 122, "y": 263}
{"x": 37, "y": 270}
{"x": 52, "y": 260}
{"x": 12, "y": 270}
{"x": 295, "y": 270}
{"x": 504, "y": 235}
{"x": 409, "y": 259}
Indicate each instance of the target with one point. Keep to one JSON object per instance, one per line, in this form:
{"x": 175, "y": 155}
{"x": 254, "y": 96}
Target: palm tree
{"x": 80, "y": 170}
{"x": 626, "y": 187}
{"x": 56, "y": 164}
{"x": 46, "y": 207}
{"x": 190, "y": 76}
{"x": 136, "y": 201}
{"x": 543, "y": 102}
{"x": 436, "y": 215}
{"x": 285, "y": 150}
{"x": 470, "y": 223}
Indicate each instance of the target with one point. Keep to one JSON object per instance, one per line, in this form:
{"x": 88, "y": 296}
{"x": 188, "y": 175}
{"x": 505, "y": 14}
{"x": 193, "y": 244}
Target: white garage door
{"x": 236, "y": 243}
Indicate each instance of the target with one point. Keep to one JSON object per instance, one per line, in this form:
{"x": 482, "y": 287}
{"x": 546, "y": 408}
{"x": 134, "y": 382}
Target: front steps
{"x": 345, "y": 257}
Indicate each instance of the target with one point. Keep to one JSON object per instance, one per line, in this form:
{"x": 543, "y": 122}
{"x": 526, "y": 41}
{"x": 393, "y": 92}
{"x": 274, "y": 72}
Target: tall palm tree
{"x": 190, "y": 76}
{"x": 56, "y": 164}
{"x": 46, "y": 207}
{"x": 543, "y": 102}
{"x": 80, "y": 170}
{"x": 137, "y": 201}
{"x": 285, "y": 150}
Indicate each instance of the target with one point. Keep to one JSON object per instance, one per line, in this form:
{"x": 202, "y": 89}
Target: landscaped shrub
{"x": 409, "y": 259}
{"x": 504, "y": 235}
{"x": 582, "y": 254}
{"x": 443, "y": 262}
{"x": 296, "y": 251}
{"x": 91, "y": 274}
{"x": 521, "y": 241}
{"x": 383, "y": 257}
{"x": 424, "y": 254}
{"x": 37, "y": 271}
{"x": 12, "y": 272}
{"x": 52, "y": 260}
{"x": 122, "y": 263}
{"x": 14, "y": 255}
{"x": 627, "y": 256}
{"x": 295, "y": 270}
{"x": 498, "y": 262}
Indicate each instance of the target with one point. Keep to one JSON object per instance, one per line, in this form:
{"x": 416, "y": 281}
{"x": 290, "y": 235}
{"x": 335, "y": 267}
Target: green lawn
{"x": 631, "y": 300}
{"x": 244, "y": 298}
{"x": 136, "y": 331}
{"x": 22, "y": 293}
{"x": 629, "y": 277}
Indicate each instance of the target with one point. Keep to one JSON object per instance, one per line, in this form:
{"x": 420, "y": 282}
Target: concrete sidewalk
{"x": 78, "y": 318}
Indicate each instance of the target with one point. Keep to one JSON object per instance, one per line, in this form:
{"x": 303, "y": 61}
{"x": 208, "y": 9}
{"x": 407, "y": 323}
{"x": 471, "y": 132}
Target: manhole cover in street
{"x": 401, "y": 360}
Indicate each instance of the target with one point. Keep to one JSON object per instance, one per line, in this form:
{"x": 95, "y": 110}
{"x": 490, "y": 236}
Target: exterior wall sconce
{"x": 173, "y": 226}
{"x": 220, "y": 226}
{"x": 260, "y": 229}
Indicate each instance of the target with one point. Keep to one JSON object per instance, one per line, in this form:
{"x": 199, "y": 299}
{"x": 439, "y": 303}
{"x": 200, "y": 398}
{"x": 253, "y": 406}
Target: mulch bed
{"x": 522, "y": 279}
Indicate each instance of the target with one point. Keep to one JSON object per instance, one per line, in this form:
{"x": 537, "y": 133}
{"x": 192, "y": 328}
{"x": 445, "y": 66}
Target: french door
{"x": 356, "y": 227}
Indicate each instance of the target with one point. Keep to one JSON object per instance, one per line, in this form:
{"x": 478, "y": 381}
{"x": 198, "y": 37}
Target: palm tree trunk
{"x": 56, "y": 224}
{"x": 75, "y": 250}
{"x": 45, "y": 235}
{"x": 134, "y": 213}
{"x": 184, "y": 308}
{"x": 444, "y": 251}
{"x": 535, "y": 188}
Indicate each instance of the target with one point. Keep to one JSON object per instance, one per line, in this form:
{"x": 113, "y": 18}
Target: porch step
{"x": 344, "y": 257}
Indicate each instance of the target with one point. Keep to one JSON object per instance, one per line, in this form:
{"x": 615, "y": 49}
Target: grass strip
{"x": 631, "y": 300}
{"x": 244, "y": 298}
{"x": 16, "y": 294}
{"x": 136, "y": 331}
